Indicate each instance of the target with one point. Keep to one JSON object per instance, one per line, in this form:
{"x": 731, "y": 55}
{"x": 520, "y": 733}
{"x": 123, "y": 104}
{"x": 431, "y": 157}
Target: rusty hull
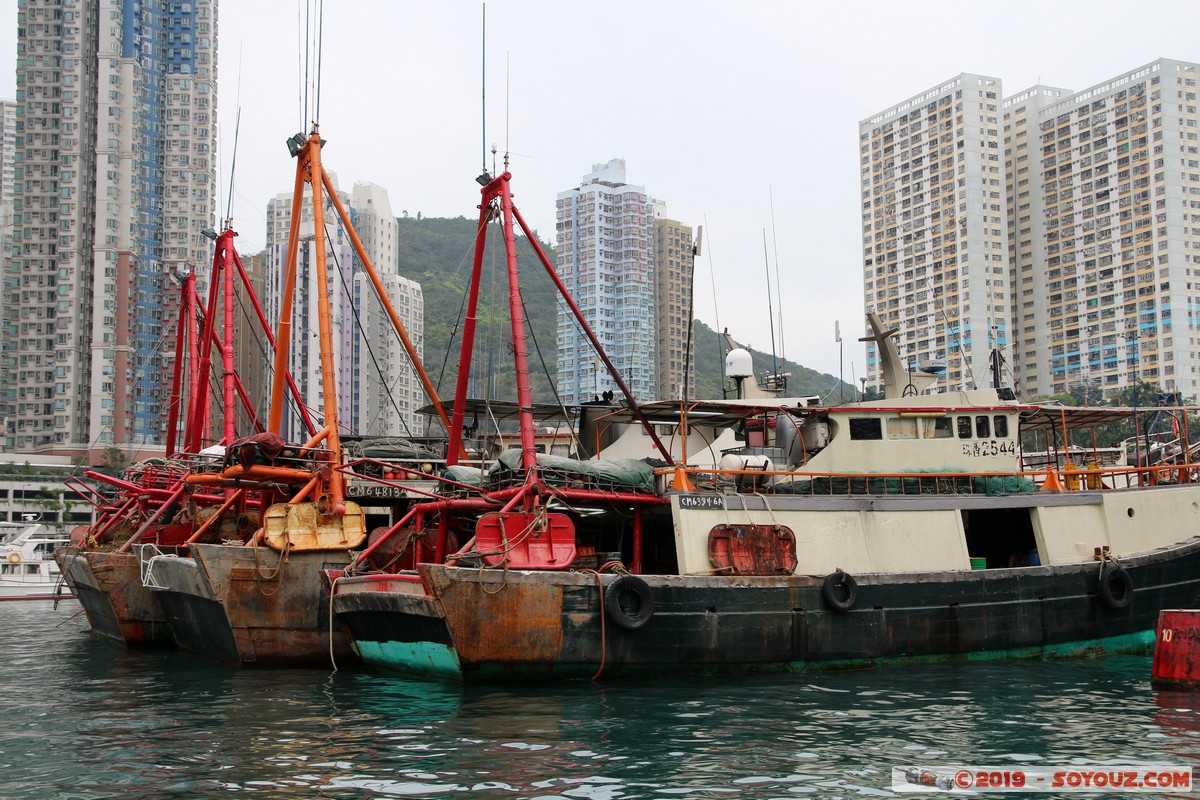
{"x": 109, "y": 587}
{"x": 276, "y": 604}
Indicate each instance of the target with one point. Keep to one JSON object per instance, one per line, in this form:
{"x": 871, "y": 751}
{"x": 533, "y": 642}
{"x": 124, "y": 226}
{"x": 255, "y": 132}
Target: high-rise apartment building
{"x": 114, "y": 178}
{"x": 8, "y": 151}
{"x": 672, "y": 308}
{"x": 387, "y": 392}
{"x": 1100, "y": 224}
{"x": 605, "y": 258}
{"x": 377, "y": 393}
{"x": 1104, "y": 213}
{"x": 935, "y": 228}
{"x": 8, "y": 148}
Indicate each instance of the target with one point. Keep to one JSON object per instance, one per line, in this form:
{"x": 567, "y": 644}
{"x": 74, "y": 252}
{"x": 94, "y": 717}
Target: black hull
{"x": 543, "y": 624}
{"x": 117, "y": 605}
{"x": 238, "y": 606}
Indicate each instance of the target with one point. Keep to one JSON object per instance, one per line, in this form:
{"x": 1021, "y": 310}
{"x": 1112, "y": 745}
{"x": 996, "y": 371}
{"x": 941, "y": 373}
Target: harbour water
{"x": 83, "y": 718}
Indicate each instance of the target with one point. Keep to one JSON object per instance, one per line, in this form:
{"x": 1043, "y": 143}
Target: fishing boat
{"x": 899, "y": 529}
{"x": 258, "y": 597}
{"x": 28, "y": 570}
{"x": 150, "y": 510}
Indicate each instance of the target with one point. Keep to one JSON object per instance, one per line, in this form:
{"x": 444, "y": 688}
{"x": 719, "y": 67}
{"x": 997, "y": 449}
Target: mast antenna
{"x": 237, "y": 124}
{"x": 770, "y": 310}
{"x": 483, "y": 89}
{"x": 507, "y": 107}
{"x": 778, "y": 284}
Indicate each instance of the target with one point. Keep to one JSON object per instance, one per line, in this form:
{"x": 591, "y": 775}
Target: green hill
{"x": 438, "y": 253}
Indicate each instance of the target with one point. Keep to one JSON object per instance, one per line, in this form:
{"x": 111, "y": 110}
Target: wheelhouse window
{"x": 866, "y": 428}
{"x": 937, "y": 428}
{"x": 1000, "y": 426}
{"x": 983, "y": 427}
{"x": 964, "y": 427}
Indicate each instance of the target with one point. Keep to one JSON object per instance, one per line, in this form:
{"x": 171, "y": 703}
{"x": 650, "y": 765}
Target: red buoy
{"x": 1177, "y": 650}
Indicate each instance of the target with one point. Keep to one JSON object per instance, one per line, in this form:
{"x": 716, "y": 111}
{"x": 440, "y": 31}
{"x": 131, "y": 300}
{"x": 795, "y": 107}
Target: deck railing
{"x": 1069, "y": 479}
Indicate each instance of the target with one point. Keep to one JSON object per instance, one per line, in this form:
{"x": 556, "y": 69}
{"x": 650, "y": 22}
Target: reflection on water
{"x": 85, "y": 719}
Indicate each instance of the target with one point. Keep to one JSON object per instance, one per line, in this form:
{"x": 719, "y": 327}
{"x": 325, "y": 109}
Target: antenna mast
{"x": 778, "y": 283}
{"x": 483, "y": 90}
{"x": 770, "y": 310}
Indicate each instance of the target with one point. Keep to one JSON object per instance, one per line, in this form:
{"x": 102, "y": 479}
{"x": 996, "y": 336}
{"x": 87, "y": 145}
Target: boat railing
{"x": 808, "y": 483}
{"x": 201, "y": 462}
{"x": 148, "y": 556}
{"x": 156, "y": 473}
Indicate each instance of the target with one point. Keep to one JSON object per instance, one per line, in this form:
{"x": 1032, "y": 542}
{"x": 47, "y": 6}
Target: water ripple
{"x": 85, "y": 720}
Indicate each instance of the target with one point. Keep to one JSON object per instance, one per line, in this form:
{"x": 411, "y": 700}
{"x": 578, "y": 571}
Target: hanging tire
{"x": 1115, "y": 588}
{"x": 629, "y": 602}
{"x": 840, "y": 591}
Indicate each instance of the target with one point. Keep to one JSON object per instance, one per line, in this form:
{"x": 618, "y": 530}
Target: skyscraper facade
{"x": 1104, "y": 187}
{"x": 114, "y": 180}
{"x": 605, "y": 258}
{"x": 672, "y": 308}
{"x": 377, "y": 392}
{"x": 1099, "y": 228}
{"x": 934, "y": 228}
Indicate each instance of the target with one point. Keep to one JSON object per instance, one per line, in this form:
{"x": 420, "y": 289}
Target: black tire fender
{"x": 840, "y": 591}
{"x": 629, "y": 602}
{"x": 1115, "y": 587}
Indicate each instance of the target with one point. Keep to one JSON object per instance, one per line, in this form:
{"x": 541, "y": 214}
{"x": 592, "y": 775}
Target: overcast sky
{"x": 716, "y": 106}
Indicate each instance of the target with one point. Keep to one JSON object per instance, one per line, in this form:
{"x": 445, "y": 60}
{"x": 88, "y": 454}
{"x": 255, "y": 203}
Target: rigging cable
{"x": 546, "y": 370}
{"x": 713, "y": 278}
{"x": 968, "y": 369}
{"x": 460, "y": 318}
{"x": 366, "y": 339}
{"x": 778, "y": 283}
{"x": 770, "y": 313}
{"x": 320, "y": 47}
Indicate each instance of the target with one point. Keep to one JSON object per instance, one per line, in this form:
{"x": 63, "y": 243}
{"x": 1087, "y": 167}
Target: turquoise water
{"x": 83, "y": 718}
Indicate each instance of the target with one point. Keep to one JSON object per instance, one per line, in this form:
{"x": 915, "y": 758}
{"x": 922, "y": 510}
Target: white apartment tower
{"x": 605, "y": 258}
{"x": 935, "y": 228}
{"x": 387, "y": 392}
{"x": 114, "y": 178}
{"x": 1105, "y": 215}
{"x": 377, "y": 394}
{"x": 8, "y": 149}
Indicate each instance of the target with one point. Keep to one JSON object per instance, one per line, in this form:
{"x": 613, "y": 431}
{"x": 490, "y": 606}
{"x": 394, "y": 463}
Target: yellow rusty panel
{"x": 299, "y": 528}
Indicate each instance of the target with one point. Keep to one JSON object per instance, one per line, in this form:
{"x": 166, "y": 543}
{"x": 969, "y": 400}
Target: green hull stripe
{"x": 417, "y": 658}
{"x": 439, "y": 661}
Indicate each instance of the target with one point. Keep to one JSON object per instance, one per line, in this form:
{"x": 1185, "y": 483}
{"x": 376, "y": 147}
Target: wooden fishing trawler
{"x": 897, "y": 529}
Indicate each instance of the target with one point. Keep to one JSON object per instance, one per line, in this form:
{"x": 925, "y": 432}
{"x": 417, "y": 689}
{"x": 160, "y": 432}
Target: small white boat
{"x": 28, "y": 570}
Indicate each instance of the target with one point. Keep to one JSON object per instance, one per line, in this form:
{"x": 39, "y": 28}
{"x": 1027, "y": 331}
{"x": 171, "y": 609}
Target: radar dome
{"x": 739, "y": 364}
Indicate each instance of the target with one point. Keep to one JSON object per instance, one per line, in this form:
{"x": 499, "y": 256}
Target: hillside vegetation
{"x": 438, "y": 253}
